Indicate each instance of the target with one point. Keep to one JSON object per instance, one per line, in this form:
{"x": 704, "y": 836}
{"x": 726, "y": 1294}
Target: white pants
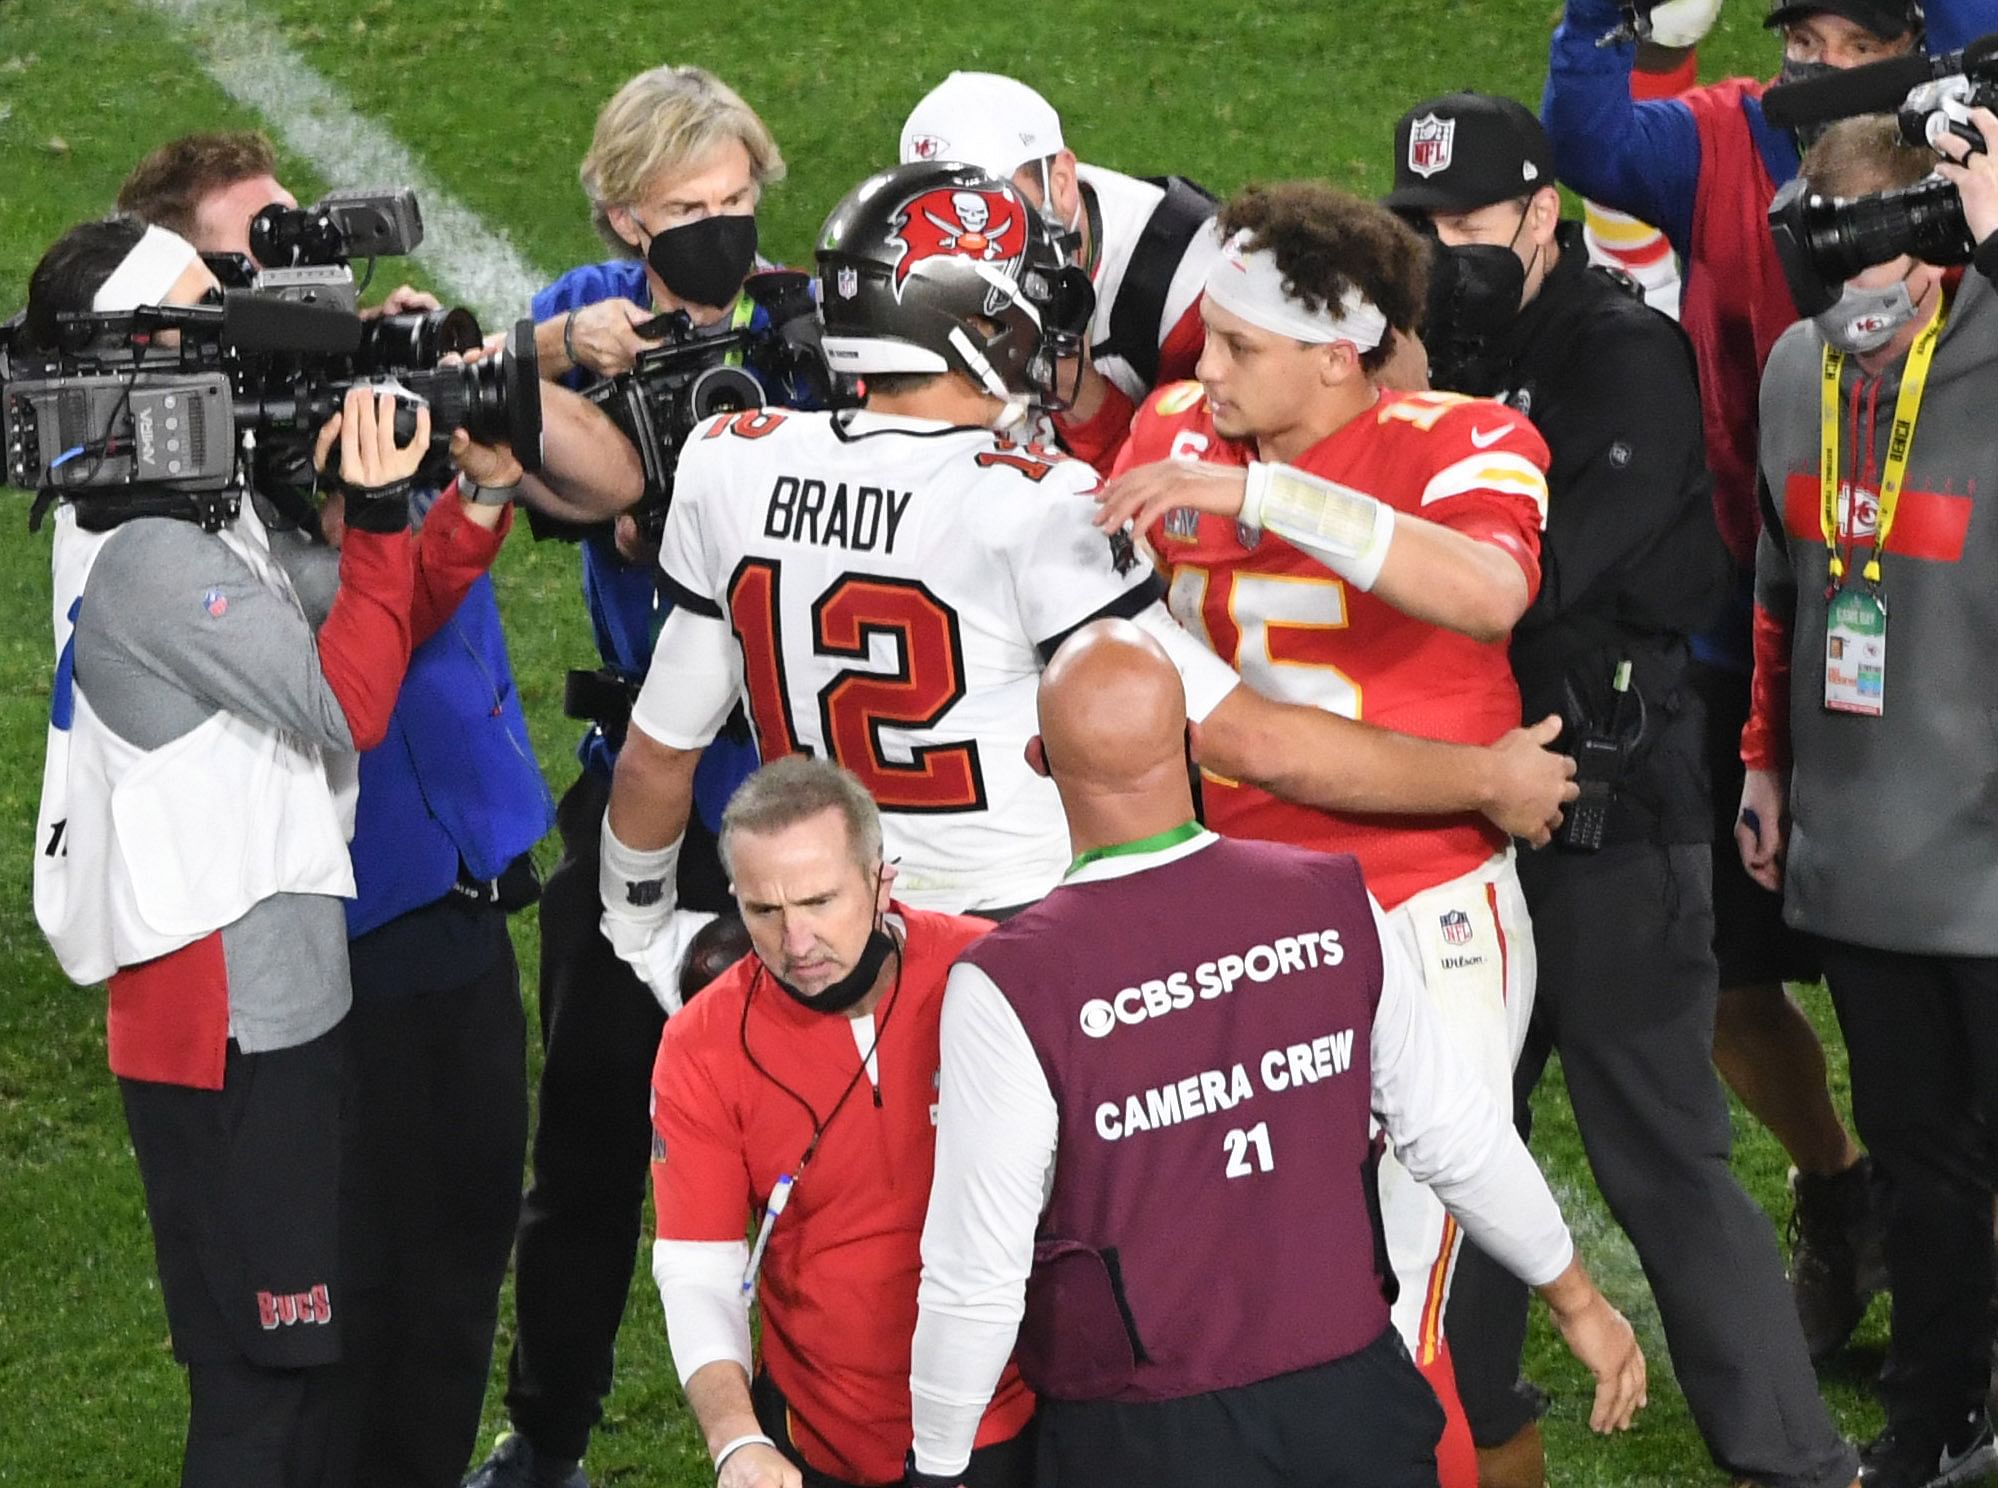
{"x": 1473, "y": 941}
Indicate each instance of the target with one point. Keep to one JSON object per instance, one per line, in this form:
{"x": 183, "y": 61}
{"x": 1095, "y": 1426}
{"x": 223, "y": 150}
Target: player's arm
{"x": 1450, "y": 1134}
{"x": 693, "y": 682}
{"x": 1430, "y": 570}
{"x": 1321, "y": 759}
{"x": 996, "y": 1131}
{"x": 702, "y": 1196}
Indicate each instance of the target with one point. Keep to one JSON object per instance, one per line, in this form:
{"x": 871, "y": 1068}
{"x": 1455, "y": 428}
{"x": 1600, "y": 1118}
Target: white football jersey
{"x": 894, "y": 586}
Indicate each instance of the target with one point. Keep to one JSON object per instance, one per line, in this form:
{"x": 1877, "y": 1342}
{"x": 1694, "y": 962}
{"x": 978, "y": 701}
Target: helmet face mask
{"x": 937, "y": 267}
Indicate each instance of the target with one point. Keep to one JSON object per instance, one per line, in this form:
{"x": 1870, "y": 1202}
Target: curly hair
{"x": 168, "y": 185}
{"x": 1327, "y": 243}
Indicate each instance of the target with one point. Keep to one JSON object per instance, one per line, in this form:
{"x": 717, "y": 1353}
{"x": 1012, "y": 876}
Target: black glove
{"x": 916, "y": 1478}
{"x": 381, "y": 509}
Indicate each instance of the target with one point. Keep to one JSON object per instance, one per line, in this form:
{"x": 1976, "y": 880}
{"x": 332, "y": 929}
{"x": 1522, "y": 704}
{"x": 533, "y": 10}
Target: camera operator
{"x": 1622, "y": 904}
{"x": 673, "y": 175}
{"x": 1704, "y": 166}
{"x": 451, "y": 801}
{"x": 212, "y": 683}
{"x": 1870, "y": 760}
{"x": 208, "y": 187}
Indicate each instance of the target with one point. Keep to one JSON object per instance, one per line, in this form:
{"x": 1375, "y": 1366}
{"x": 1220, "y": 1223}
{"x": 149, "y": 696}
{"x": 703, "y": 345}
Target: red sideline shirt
{"x": 838, "y": 1285}
{"x": 1297, "y": 632}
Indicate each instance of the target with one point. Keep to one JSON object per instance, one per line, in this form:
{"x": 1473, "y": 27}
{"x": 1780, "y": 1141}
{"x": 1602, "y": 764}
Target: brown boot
{"x": 1519, "y": 1463}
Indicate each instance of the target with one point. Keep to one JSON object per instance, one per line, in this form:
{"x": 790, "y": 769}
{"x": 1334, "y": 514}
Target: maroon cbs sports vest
{"x": 1204, "y": 1026}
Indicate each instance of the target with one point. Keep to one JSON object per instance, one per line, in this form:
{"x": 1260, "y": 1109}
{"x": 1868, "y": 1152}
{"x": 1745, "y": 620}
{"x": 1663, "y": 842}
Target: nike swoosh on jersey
{"x": 1486, "y": 438}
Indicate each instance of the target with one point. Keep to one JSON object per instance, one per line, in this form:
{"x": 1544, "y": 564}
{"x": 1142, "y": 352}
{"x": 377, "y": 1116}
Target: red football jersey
{"x": 1298, "y": 632}
{"x": 838, "y": 1285}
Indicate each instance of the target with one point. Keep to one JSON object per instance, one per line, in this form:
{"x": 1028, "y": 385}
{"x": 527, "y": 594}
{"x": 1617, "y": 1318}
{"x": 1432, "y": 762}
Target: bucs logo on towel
{"x": 986, "y": 226}
{"x": 1456, "y": 927}
{"x": 1430, "y": 144}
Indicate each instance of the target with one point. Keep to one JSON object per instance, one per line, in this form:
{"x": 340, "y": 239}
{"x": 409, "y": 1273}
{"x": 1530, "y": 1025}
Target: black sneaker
{"x": 515, "y": 1464}
{"x": 1834, "y": 1235}
{"x": 1893, "y": 1461}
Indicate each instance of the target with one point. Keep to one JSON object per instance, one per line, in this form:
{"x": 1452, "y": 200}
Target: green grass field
{"x": 496, "y": 98}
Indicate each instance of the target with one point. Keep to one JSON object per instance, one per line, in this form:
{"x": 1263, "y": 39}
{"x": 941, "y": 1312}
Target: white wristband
{"x": 1346, "y": 530}
{"x": 637, "y": 885}
{"x": 729, "y": 1449}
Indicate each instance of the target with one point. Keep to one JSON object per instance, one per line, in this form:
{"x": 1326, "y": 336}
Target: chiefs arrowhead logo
{"x": 928, "y": 146}
{"x": 987, "y": 226}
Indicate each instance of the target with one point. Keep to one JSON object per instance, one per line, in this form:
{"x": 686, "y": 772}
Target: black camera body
{"x": 1822, "y": 241}
{"x": 127, "y": 425}
{"x": 305, "y": 252}
{"x": 697, "y": 374}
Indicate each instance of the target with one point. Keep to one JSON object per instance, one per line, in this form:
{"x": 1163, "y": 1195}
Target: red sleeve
{"x": 1488, "y": 478}
{"x": 1765, "y": 738}
{"x": 700, "y": 1180}
{"x": 1180, "y": 352}
{"x": 451, "y": 553}
{"x": 364, "y": 644}
{"x": 1101, "y": 437}
{"x": 1648, "y": 85}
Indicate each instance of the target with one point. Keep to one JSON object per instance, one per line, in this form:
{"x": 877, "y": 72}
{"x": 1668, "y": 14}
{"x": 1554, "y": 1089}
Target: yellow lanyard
{"x": 1907, "y": 408}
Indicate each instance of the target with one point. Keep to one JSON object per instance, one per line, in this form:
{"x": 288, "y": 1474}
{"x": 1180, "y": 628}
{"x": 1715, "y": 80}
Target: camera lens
{"x": 416, "y": 341}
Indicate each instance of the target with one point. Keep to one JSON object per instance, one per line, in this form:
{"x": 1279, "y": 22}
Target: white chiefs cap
{"x": 982, "y": 119}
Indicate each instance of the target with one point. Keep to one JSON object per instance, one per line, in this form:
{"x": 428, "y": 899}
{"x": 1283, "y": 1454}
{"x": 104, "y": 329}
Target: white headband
{"x": 147, "y": 273}
{"x": 1250, "y": 284}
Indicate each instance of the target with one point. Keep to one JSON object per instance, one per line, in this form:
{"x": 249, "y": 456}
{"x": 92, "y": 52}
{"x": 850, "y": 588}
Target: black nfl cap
{"x": 1886, "y": 19}
{"x": 1467, "y": 150}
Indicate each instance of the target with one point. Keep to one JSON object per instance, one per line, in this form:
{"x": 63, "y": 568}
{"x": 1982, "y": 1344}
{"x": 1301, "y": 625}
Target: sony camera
{"x": 698, "y": 373}
{"x": 1822, "y": 241}
{"x": 306, "y": 252}
{"x": 122, "y": 423}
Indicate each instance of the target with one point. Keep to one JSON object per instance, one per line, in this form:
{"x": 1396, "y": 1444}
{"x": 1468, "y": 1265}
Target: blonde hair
{"x": 797, "y": 788}
{"x": 1858, "y": 156}
{"x": 667, "y": 119}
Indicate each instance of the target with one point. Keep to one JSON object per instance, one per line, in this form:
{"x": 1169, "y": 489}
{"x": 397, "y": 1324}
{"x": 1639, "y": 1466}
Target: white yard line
{"x": 247, "y": 56}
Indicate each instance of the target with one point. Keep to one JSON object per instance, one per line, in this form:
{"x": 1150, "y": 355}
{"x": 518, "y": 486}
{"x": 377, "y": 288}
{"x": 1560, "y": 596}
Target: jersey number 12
{"x": 857, "y": 704}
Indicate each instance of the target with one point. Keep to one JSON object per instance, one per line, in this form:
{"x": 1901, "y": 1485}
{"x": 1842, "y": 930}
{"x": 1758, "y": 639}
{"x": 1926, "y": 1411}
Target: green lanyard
{"x": 1157, "y": 842}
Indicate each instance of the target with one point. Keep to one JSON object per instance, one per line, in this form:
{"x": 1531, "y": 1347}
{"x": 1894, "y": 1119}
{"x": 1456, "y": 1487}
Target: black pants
{"x": 1626, "y": 992}
{"x": 1366, "y": 1421}
{"x": 1006, "y": 1464}
{"x": 579, "y": 1224}
{"x": 440, "y": 1096}
{"x": 1922, "y": 1036}
{"x": 244, "y": 1196}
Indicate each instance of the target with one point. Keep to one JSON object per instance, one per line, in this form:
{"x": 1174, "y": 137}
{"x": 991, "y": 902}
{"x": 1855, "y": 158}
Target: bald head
{"x": 1113, "y": 720}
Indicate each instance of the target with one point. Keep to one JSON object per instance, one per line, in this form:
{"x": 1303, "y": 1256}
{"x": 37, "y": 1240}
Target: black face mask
{"x": 705, "y": 261}
{"x": 849, "y": 989}
{"x": 1474, "y": 295}
{"x": 1801, "y": 72}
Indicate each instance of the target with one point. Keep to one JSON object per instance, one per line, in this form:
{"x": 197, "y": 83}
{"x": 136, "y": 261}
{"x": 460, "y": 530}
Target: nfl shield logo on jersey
{"x": 1429, "y": 145}
{"x": 848, "y": 283}
{"x": 1457, "y": 928}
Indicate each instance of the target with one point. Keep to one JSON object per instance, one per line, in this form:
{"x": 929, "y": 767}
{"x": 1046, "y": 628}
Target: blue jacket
{"x": 454, "y": 779}
{"x": 624, "y": 603}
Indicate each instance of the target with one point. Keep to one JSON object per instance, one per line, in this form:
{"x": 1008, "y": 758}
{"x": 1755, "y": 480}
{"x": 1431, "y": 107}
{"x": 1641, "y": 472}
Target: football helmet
{"x": 940, "y": 267}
